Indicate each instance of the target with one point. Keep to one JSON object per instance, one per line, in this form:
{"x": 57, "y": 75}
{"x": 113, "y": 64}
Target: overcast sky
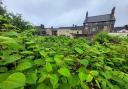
{"x": 66, "y": 12}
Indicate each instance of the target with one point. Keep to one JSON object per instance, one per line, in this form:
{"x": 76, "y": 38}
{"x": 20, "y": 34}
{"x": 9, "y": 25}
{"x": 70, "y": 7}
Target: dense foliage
{"x": 2, "y": 8}
{"x": 12, "y": 21}
{"x": 35, "y": 62}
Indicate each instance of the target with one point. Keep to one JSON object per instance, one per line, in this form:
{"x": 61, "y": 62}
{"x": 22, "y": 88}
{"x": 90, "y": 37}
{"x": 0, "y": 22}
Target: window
{"x": 77, "y": 32}
{"x": 93, "y": 29}
{"x": 43, "y": 32}
{"x": 86, "y": 27}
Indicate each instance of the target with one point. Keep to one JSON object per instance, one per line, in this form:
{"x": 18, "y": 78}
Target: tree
{"x": 12, "y": 21}
{"x": 3, "y": 19}
{"x": 2, "y": 8}
{"x": 19, "y": 22}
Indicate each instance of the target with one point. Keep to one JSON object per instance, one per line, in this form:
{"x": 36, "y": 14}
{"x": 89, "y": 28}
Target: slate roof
{"x": 55, "y": 29}
{"x": 73, "y": 28}
{"x": 99, "y": 18}
{"x": 116, "y": 29}
{"x": 65, "y": 27}
{"x": 79, "y": 27}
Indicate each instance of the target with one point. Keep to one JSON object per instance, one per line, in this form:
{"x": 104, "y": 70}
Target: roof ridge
{"x": 99, "y": 15}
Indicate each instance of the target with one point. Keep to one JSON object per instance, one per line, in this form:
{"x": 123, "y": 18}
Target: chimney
{"x": 42, "y": 26}
{"x": 86, "y": 14}
{"x": 113, "y": 11}
{"x": 51, "y": 27}
{"x": 85, "y": 19}
{"x": 73, "y": 25}
{"x": 126, "y": 27}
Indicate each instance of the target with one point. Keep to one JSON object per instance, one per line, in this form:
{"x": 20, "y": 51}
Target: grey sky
{"x": 66, "y": 12}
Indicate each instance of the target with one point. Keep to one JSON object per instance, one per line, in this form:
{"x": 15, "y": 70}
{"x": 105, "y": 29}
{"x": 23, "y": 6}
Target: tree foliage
{"x": 2, "y": 8}
{"x": 12, "y": 21}
{"x": 19, "y": 22}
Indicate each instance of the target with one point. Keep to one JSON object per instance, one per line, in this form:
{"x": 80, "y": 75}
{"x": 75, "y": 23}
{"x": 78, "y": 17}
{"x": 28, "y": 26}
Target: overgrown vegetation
{"x": 36, "y": 62}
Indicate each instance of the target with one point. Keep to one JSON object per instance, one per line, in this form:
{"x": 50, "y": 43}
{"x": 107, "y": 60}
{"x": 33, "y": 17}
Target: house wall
{"x": 42, "y": 32}
{"x": 65, "y": 32}
{"x": 45, "y": 31}
{"x": 54, "y": 32}
{"x": 68, "y": 32}
{"x": 118, "y": 34}
{"x": 48, "y": 31}
{"x": 93, "y": 28}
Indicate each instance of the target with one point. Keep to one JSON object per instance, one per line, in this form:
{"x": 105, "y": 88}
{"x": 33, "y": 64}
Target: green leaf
{"x": 68, "y": 59}
{"x": 27, "y": 53}
{"x": 103, "y": 84}
{"x": 10, "y": 34}
{"x": 3, "y": 76}
{"x": 84, "y": 86}
{"x": 89, "y": 78}
{"x": 64, "y": 72}
{"x": 15, "y": 80}
{"x": 54, "y": 80}
{"x": 48, "y": 67}
{"x": 9, "y": 43}
{"x": 94, "y": 73}
{"x": 74, "y": 80}
{"x": 107, "y": 74}
{"x": 108, "y": 68}
{"x": 82, "y": 76}
{"x": 43, "y": 53}
{"x": 84, "y": 62}
{"x": 43, "y": 77}
{"x": 3, "y": 69}
{"x": 80, "y": 51}
{"x": 97, "y": 83}
{"x": 39, "y": 62}
{"x": 64, "y": 80}
{"x": 58, "y": 59}
{"x": 65, "y": 86}
{"x": 31, "y": 78}
{"x": 11, "y": 58}
{"x": 116, "y": 87}
{"x": 24, "y": 65}
{"x": 49, "y": 59}
{"x": 43, "y": 86}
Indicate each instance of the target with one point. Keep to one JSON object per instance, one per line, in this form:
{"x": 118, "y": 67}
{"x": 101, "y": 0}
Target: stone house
{"x": 96, "y": 24}
{"x": 69, "y": 31}
{"x": 44, "y": 31}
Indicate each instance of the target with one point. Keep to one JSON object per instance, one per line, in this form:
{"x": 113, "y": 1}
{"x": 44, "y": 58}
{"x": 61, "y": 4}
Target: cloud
{"x": 66, "y": 12}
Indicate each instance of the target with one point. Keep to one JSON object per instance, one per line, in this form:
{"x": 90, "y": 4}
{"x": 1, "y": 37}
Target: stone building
{"x": 44, "y": 31}
{"x": 69, "y": 31}
{"x": 96, "y": 24}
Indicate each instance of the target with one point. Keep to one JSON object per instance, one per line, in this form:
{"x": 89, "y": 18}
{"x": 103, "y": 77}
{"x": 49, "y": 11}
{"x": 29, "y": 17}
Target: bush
{"x": 102, "y": 37}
